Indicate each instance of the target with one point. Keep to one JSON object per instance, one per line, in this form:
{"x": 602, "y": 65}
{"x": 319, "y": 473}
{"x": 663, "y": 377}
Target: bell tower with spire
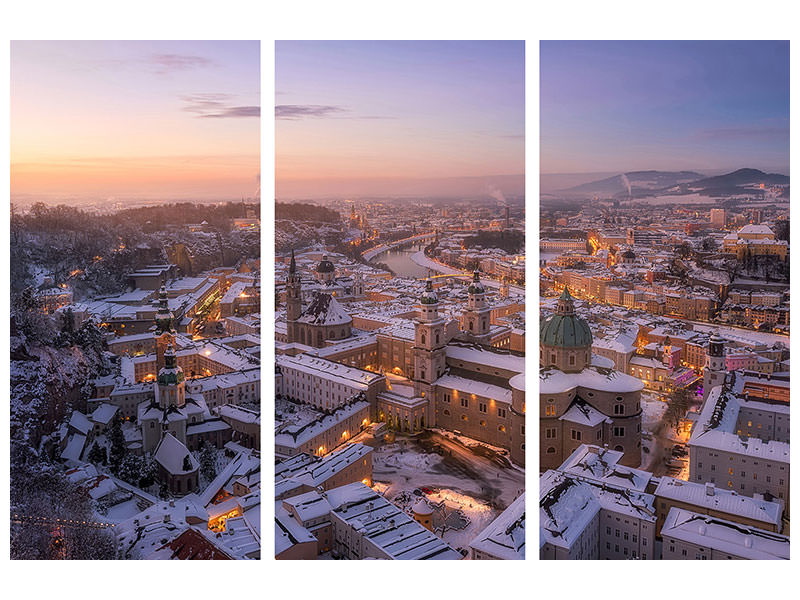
{"x": 429, "y": 343}
{"x": 294, "y": 306}
{"x": 165, "y": 331}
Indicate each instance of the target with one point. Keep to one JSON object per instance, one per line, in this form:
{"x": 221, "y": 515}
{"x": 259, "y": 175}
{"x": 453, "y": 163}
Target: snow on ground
{"x": 653, "y": 408}
{"x": 423, "y": 261}
{"x": 463, "y": 483}
{"x": 682, "y": 199}
{"x": 469, "y": 442}
{"x": 743, "y": 335}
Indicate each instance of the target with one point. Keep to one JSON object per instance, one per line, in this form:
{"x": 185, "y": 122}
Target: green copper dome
{"x": 565, "y": 329}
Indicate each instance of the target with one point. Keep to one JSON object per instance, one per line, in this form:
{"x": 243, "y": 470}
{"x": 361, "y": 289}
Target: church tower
{"x": 165, "y": 331}
{"x": 476, "y": 319}
{"x": 714, "y": 369}
{"x": 171, "y": 383}
{"x": 429, "y": 343}
{"x": 294, "y": 306}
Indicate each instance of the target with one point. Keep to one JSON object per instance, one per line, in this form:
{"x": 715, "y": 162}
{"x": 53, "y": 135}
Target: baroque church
{"x": 583, "y": 399}
{"x": 439, "y": 372}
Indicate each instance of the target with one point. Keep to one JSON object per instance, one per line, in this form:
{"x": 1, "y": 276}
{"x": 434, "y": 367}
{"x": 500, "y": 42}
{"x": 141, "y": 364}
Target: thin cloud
{"x": 178, "y": 62}
{"x": 160, "y": 64}
{"x": 217, "y": 106}
{"x": 320, "y": 111}
{"x": 302, "y": 111}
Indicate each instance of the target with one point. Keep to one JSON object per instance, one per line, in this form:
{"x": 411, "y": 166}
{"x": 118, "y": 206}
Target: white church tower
{"x": 714, "y": 370}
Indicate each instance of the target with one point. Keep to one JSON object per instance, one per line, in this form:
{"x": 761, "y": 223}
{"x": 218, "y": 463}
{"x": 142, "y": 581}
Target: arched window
{"x": 422, "y": 337}
{"x": 551, "y": 450}
{"x": 471, "y": 325}
{"x": 619, "y": 448}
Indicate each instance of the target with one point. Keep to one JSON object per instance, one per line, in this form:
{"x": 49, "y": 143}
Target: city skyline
{"x": 399, "y": 118}
{"x": 618, "y": 106}
{"x": 132, "y": 120}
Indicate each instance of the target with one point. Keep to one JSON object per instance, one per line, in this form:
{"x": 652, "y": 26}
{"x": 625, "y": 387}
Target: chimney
{"x": 709, "y": 488}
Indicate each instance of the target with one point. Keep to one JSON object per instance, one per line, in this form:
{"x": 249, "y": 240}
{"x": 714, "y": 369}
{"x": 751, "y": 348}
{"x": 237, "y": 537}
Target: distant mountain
{"x": 634, "y": 183}
{"x": 743, "y": 177}
{"x": 641, "y": 184}
{"x": 739, "y": 182}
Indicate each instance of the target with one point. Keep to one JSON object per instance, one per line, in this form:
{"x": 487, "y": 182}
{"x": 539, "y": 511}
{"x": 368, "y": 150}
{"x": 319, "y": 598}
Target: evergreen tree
{"x": 118, "y": 449}
{"x": 96, "y": 454}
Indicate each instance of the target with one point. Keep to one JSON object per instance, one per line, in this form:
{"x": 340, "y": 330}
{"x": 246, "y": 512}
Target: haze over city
{"x": 399, "y": 118}
{"x": 128, "y": 121}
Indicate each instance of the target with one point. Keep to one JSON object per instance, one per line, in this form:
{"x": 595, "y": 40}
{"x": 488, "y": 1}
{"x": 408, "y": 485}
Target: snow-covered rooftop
{"x": 555, "y": 381}
{"x": 724, "y": 536}
{"x": 504, "y": 537}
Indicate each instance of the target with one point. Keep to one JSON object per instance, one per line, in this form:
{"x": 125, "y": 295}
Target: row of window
{"x": 482, "y": 406}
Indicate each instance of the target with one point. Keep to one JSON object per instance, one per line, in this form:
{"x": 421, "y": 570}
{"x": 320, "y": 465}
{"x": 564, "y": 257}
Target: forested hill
{"x": 306, "y": 213}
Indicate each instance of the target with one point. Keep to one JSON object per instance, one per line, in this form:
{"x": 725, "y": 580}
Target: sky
{"x": 399, "y": 118}
{"x": 669, "y": 105}
{"x": 104, "y": 121}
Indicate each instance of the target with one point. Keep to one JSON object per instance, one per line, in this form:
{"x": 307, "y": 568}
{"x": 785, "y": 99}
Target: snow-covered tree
{"x": 208, "y": 462}
{"x": 131, "y": 468}
{"x": 40, "y": 495}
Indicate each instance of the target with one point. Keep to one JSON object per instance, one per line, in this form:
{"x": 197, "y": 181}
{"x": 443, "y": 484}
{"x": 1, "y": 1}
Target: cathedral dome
{"x": 325, "y": 266}
{"x": 565, "y": 329}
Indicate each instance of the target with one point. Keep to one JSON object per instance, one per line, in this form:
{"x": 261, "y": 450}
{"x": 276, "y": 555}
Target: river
{"x": 399, "y": 261}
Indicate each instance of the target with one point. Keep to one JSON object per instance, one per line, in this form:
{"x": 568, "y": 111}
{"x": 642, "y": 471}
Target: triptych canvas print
{"x": 390, "y": 316}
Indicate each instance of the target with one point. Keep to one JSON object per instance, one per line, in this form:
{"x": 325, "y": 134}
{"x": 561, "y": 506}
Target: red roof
{"x": 193, "y": 545}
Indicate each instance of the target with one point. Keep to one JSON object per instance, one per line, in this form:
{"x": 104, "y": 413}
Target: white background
{"x": 409, "y": 19}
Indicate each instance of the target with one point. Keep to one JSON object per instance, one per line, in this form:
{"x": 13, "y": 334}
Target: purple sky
{"x": 631, "y": 105}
